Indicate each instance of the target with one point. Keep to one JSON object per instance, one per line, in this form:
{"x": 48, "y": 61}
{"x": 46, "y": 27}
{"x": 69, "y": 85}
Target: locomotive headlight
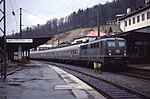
{"x": 125, "y": 53}
{"x": 109, "y": 52}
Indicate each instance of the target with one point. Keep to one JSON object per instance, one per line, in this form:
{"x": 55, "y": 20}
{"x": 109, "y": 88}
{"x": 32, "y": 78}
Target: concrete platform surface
{"x": 37, "y": 80}
{"x": 145, "y": 67}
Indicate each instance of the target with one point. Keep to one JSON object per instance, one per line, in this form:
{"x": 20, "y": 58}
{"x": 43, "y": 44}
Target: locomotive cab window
{"x": 111, "y": 44}
{"x": 121, "y": 44}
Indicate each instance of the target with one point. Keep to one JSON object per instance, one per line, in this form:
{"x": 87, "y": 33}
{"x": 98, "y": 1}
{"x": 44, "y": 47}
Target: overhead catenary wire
{"x": 34, "y": 14}
{"x": 68, "y": 7}
{"x": 11, "y": 5}
{"x": 13, "y": 13}
{"x": 88, "y": 4}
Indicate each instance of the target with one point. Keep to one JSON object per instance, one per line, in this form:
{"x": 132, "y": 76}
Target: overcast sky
{"x": 39, "y": 11}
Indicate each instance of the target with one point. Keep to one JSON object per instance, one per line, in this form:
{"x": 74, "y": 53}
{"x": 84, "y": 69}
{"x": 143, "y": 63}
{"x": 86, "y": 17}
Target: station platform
{"x": 143, "y": 67}
{"x": 37, "y": 80}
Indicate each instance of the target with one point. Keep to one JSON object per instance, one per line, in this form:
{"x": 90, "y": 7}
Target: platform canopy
{"x": 27, "y": 43}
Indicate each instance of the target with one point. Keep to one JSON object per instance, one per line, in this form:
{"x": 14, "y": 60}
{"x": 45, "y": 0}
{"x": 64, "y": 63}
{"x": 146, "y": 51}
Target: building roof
{"x": 142, "y": 8}
{"x": 95, "y": 33}
{"x": 13, "y": 47}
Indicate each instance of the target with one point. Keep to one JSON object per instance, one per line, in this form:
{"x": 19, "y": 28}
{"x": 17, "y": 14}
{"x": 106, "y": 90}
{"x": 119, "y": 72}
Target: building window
{"x": 138, "y": 19}
{"x": 148, "y": 15}
{"x": 134, "y": 20}
{"x": 125, "y": 23}
{"x": 129, "y": 21}
{"x": 143, "y": 17}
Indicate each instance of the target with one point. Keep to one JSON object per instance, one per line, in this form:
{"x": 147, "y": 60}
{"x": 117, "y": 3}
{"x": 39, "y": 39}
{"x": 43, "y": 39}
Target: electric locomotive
{"x": 107, "y": 51}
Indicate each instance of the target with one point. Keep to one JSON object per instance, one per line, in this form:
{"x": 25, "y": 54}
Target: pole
{"x": 4, "y": 40}
{"x": 19, "y": 46}
{"x": 98, "y": 26}
{"x": 58, "y": 39}
{"x": 20, "y": 22}
{"x": 58, "y": 36}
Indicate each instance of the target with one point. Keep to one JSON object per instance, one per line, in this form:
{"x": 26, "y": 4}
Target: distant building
{"x": 64, "y": 44}
{"x": 83, "y": 39}
{"x": 112, "y": 22}
{"x": 94, "y": 33}
{"x": 43, "y": 47}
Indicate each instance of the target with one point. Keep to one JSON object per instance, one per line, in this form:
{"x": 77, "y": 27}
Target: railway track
{"x": 107, "y": 88}
{"x": 136, "y": 75}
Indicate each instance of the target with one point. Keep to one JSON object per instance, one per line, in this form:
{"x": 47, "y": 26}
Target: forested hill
{"x": 83, "y": 18}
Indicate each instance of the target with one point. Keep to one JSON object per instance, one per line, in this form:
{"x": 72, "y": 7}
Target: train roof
{"x": 103, "y": 39}
{"x": 59, "y": 48}
{"x": 78, "y": 45}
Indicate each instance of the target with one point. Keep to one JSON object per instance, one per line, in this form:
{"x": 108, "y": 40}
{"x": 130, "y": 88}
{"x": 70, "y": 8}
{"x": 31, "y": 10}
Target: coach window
{"x": 94, "y": 45}
{"x": 86, "y": 46}
{"x": 75, "y": 51}
{"x": 68, "y": 53}
{"x": 97, "y": 45}
{"x": 91, "y": 45}
{"x": 82, "y": 47}
{"x": 71, "y": 50}
{"x": 101, "y": 44}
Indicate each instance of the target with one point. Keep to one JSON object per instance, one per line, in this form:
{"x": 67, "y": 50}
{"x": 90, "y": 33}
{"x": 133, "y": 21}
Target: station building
{"x": 135, "y": 27}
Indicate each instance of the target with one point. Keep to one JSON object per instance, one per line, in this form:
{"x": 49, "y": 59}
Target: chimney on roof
{"x": 128, "y": 10}
{"x": 147, "y": 1}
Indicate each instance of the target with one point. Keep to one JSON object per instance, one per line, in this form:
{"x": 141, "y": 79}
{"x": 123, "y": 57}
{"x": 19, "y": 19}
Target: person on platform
{"x": 99, "y": 67}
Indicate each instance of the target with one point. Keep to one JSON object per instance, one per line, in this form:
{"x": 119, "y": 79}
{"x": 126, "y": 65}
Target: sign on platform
{"x": 19, "y": 40}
